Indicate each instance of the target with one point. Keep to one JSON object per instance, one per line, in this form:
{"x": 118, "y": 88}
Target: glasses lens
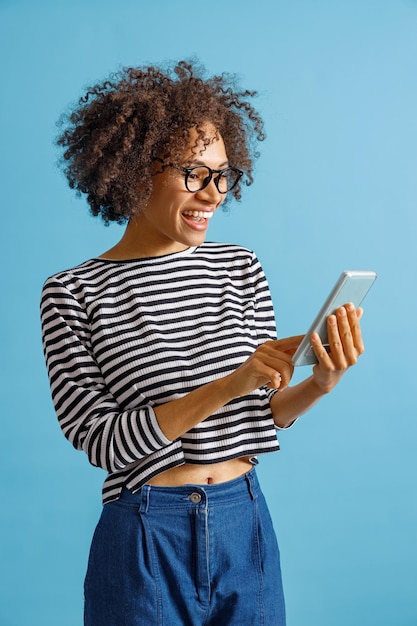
{"x": 228, "y": 179}
{"x": 197, "y": 178}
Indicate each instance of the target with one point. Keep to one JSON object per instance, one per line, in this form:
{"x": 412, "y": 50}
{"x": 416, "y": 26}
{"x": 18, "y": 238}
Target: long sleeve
{"x": 89, "y": 415}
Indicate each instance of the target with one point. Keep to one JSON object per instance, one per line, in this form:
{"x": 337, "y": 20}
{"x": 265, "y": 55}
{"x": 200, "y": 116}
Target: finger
{"x": 274, "y": 350}
{"x": 354, "y": 316}
{"x": 288, "y": 344}
{"x": 275, "y": 366}
{"x": 278, "y": 378}
{"x": 283, "y": 370}
{"x": 286, "y": 371}
{"x": 275, "y": 380}
{"x": 276, "y": 384}
{"x": 321, "y": 353}
{"x": 345, "y": 333}
{"x": 336, "y": 347}
{"x": 290, "y": 352}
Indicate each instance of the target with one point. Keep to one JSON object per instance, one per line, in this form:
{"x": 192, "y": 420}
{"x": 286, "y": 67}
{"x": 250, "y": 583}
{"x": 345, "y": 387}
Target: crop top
{"x": 121, "y": 337}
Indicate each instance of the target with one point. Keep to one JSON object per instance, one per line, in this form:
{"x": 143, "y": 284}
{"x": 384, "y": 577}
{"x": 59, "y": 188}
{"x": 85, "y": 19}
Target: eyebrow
{"x": 198, "y": 162}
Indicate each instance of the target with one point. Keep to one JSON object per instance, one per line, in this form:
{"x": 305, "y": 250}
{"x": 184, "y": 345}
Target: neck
{"x": 136, "y": 245}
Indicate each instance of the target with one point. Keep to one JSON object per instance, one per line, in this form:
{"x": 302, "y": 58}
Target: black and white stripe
{"x": 123, "y": 336}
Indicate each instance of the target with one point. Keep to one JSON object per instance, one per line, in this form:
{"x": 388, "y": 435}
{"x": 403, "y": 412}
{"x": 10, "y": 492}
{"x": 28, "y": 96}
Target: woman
{"x": 163, "y": 358}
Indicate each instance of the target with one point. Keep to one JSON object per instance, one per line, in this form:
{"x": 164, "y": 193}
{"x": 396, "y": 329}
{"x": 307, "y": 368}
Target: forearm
{"x": 290, "y": 403}
{"x": 178, "y": 416}
{"x": 267, "y": 364}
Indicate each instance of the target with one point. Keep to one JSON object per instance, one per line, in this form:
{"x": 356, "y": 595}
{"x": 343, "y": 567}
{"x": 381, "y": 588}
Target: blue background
{"x": 335, "y": 188}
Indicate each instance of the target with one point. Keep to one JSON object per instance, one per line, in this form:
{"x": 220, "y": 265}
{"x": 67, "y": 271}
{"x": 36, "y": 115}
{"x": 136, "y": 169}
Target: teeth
{"x": 206, "y": 214}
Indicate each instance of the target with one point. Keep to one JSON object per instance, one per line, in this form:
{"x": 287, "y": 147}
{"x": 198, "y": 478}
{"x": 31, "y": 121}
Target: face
{"x": 175, "y": 219}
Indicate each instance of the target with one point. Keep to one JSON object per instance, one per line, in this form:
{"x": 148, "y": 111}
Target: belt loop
{"x": 250, "y": 480}
{"x": 144, "y": 505}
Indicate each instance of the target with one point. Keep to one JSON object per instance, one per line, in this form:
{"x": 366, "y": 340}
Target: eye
{"x": 199, "y": 173}
{"x": 197, "y": 178}
{"x": 229, "y": 178}
{"x": 194, "y": 175}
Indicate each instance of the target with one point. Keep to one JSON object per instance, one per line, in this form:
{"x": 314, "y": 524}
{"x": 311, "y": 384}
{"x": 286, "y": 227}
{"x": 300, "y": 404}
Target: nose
{"x": 210, "y": 194}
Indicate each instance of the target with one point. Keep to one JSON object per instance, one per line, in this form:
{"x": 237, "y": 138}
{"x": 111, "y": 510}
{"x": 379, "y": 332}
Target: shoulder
{"x": 84, "y": 271}
{"x": 73, "y": 282}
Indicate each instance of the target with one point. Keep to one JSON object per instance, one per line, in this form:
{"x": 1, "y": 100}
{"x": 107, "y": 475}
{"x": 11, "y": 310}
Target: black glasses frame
{"x": 188, "y": 170}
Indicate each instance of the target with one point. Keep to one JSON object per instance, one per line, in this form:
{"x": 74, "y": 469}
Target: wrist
{"x": 318, "y": 388}
{"x": 228, "y": 387}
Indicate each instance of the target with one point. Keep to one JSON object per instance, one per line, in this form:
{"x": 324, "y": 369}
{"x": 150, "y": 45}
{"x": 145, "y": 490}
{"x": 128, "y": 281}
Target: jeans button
{"x": 195, "y": 497}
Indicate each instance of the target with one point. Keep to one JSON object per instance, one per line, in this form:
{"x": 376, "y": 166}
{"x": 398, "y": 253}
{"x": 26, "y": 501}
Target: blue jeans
{"x": 195, "y": 555}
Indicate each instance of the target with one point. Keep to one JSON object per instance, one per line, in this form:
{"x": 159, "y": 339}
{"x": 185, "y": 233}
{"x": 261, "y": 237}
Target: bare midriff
{"x": 202, "y": 474}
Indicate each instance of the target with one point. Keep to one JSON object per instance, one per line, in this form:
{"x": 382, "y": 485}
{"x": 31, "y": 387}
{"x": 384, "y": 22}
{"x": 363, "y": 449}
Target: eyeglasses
{"x": 199, "y": 176}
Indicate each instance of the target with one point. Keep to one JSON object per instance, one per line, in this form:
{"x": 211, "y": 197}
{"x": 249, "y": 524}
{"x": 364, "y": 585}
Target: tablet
{"x": 352, "y": 286}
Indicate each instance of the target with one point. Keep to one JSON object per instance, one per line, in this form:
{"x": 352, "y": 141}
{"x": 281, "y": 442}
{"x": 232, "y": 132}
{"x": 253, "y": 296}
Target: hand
{"x": 269, "y": 365}
{"x": 345, "y": 343}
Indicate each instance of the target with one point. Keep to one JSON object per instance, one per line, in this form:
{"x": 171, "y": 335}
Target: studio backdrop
{"x": 335, "y": 188}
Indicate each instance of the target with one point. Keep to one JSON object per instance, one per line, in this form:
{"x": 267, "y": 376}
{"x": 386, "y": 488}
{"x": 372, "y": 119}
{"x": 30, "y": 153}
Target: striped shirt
{"x": 121, "y": 337}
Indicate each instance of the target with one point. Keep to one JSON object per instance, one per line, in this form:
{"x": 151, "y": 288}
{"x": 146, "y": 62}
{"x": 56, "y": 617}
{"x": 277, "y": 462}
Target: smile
{"x": 201, "y": 214}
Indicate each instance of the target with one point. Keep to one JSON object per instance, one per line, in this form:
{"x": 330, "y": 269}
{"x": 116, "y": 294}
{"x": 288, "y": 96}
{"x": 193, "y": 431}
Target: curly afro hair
{"x": 112, "y": 135}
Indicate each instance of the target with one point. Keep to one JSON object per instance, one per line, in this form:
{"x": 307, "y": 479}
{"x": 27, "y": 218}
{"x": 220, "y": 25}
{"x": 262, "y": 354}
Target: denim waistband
{"x": 152, "y": 496}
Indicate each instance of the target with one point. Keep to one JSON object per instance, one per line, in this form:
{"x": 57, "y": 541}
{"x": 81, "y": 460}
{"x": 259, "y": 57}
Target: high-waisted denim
{"x": 195, "y": 555}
